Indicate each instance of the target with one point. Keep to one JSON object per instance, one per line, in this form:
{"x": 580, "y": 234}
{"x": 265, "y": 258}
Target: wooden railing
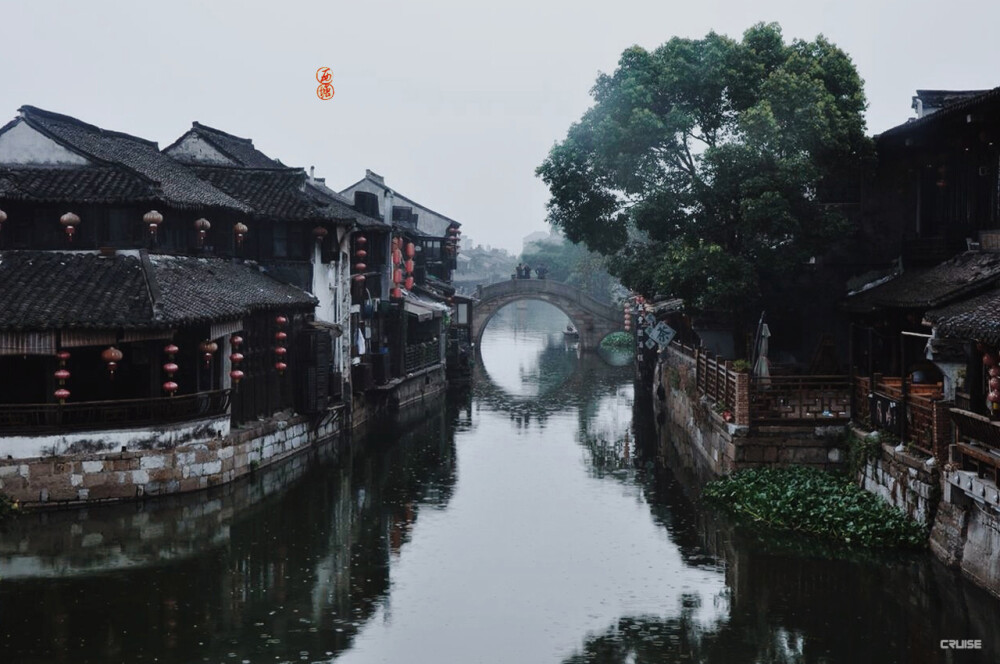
{"x": 716, "y": 380}
{"x": 800, "y": 399}
{"x": 421, "y": 355}
{"x": 95, "y": 415}
{"x": 882, "y": 409}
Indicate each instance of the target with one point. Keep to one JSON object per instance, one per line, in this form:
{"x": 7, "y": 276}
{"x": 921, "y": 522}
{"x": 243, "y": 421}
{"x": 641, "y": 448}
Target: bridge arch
{"x": 591, "y": 317}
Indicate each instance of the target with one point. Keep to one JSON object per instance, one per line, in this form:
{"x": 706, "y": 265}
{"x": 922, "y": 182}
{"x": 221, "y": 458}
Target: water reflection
{"x": 286, "y": 565}
{"x": 535, "y": 518}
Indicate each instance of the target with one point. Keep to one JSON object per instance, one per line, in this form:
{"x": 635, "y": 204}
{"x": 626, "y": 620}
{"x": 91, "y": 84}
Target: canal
{"x": 532, "y": 518}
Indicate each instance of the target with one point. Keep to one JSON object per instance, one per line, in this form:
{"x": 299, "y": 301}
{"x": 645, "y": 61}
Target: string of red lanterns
{"x": 169, "y": 386}
{"x": 235, "y": 359}
{"x": 208, "y": 348}
{"x": 359, "y": 255}
{"x": 279, "y": 348}
{"x": 411, "y": 250}
{"x": 62, "y": 375}
{"x": 397, "y": 269}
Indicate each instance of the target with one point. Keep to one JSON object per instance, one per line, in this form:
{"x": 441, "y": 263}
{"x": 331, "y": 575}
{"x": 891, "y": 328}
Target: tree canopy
{"x": 707, "y": 167}
{"x": 573, "y": 264}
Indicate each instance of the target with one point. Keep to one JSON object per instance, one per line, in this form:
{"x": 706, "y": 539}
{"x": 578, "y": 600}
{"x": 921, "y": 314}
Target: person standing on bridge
{"x": 527, "y": 271}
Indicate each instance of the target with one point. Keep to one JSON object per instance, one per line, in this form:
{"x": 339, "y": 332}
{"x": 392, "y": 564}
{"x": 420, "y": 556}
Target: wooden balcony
{"x": 109, "y": 415}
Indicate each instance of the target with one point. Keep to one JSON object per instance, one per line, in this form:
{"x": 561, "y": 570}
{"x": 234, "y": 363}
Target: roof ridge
{"x": 199, "y": 125}
{"x": 61, "y": 117}
{"x": 943, "y": 112}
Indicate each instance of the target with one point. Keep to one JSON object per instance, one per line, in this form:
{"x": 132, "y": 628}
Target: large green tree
{"x": 707, "y": 167}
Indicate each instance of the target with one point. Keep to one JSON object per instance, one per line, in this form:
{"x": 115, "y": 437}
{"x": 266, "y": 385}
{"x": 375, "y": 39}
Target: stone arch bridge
{"x": 594, "y": 319}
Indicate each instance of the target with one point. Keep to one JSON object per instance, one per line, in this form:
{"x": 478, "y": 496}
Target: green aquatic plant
{"x": 817, "y": 503}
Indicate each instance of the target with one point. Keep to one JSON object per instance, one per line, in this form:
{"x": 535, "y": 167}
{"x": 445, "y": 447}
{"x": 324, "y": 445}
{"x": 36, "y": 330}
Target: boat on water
{"x": 571, "y": 332}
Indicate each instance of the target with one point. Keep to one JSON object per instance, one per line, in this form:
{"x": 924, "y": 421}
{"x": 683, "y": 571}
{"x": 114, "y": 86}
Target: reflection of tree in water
{"x": 787, "y": 602}
{"x": 300, "y": 571}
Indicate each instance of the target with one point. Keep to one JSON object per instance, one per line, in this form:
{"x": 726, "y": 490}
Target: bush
{"x": 617, "y": 341}
{"x": 815, "y": 502}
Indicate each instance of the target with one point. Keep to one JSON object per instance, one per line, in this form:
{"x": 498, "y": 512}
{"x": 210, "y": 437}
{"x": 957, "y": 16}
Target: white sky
{"x": 455, "y": 103}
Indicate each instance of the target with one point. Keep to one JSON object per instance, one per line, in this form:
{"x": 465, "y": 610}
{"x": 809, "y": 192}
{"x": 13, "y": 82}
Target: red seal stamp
{"x": 325, "y": 79}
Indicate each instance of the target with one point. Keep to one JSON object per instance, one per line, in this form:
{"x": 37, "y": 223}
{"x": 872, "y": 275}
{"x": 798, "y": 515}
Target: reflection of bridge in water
{"x": 592, "y": 318}
{"x": 571, "y": 382}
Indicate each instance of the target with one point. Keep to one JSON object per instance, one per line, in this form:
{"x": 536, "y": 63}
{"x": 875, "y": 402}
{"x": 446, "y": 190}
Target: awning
{"x": 424, "y": 309}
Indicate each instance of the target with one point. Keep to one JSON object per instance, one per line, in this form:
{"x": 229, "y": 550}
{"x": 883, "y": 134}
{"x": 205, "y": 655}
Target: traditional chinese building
{"x": 150, "y": 354}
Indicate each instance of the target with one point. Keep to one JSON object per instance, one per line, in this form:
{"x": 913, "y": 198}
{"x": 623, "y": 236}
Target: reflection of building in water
{"x": 293, "y": 560}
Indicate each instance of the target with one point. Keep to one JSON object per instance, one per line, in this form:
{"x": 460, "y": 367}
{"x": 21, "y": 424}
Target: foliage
{"x": 815, "y": 502}
{"x": 707, "y": 168}
{"x": 8, "y": 507}
{"x": 618, "y": 341}
{"x": 861, "y": 450}
{"x": 740, "y": 366}
{"x": 572, "y": 264}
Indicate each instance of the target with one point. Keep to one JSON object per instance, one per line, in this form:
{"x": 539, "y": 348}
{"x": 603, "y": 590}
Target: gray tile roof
{"x": 44, "y": 290}
{"x": 976, "y": 318}
{"x": 172, "y": 182}
{"x": 924, "y": 289}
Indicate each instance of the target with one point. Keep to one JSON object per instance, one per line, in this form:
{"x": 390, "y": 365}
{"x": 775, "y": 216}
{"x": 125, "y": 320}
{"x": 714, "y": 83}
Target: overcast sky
{"x": 453, "y": 102}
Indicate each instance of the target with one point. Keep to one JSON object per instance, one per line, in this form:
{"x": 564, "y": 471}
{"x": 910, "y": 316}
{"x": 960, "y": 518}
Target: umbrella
{"x": 762, "y": 367}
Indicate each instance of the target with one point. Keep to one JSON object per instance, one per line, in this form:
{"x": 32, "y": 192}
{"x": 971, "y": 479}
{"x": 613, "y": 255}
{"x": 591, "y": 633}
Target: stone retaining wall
{"x": 904, "y": 481}
{"x": 194, "y": 465}
{"x": 687, "y": 419}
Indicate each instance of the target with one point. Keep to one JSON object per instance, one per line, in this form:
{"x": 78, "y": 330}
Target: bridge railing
{"x": 557, "y": 288}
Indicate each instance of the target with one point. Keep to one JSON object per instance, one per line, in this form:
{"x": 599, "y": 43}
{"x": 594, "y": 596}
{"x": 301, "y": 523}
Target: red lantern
{"x": 236, "y": 375}
{"x": 280, "y": 336}
{"x": 236, "y": 340}
{"x": 397, "y": 256}
{"x": 396, "y": 293}
{"x": 3, "y": 218}
{"x": 208, "y": 349}
{"x": 240, "y": 230}
{"x": 280, "y": 366}
{"x": 320, "y": 233}
{"x": 360, "y": 267}
{"x": 410, "y": 250}
{"x": 62, "y": 395}
{"x": 994, "y": 383}
{"x": 409, "y": 265}
{"x": 397, "y": 276}
{"x": 361, "y": 240}
{"x": 994, "y": 372}
{"x": 993, "y": 396}
{"x": 170, "y": 369}
{"x": 153, "y": 219}
{"x": 281, "y": 320}
{"x": 112, "y": 356}
{"x": 360, "y": 253}
{"x": 63, "y": 356}
{"x": 359, "y": 278}
{"x": 988, "y": 359}
{"x": 69, "y": 222}
{"x": 170, "y": 387}
{"x": 62, "y": 376}
{"x": 396, "y": 243}
{"x": 236, "y": 358}
{"x": 280, "y": 351}
{"x": 202, "y": 226}
{"x": 171, "y": 350}
{"x": 408, "y": 284}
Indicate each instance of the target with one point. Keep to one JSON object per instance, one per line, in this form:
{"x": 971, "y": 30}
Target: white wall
{"x": 23, "y": 145}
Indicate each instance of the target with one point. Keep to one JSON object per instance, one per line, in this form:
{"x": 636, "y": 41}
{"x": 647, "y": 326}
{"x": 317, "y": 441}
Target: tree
{"x": 708, "y": 168}
{"x": 572, "y": 264}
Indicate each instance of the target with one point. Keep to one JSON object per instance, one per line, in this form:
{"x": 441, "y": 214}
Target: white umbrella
{"x": 762, "y": 367}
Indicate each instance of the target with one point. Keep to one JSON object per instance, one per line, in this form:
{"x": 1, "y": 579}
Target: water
{"x": 532, "y": 520}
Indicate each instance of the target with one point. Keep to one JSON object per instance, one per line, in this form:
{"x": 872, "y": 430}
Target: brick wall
{"x": 92, "y": 477}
